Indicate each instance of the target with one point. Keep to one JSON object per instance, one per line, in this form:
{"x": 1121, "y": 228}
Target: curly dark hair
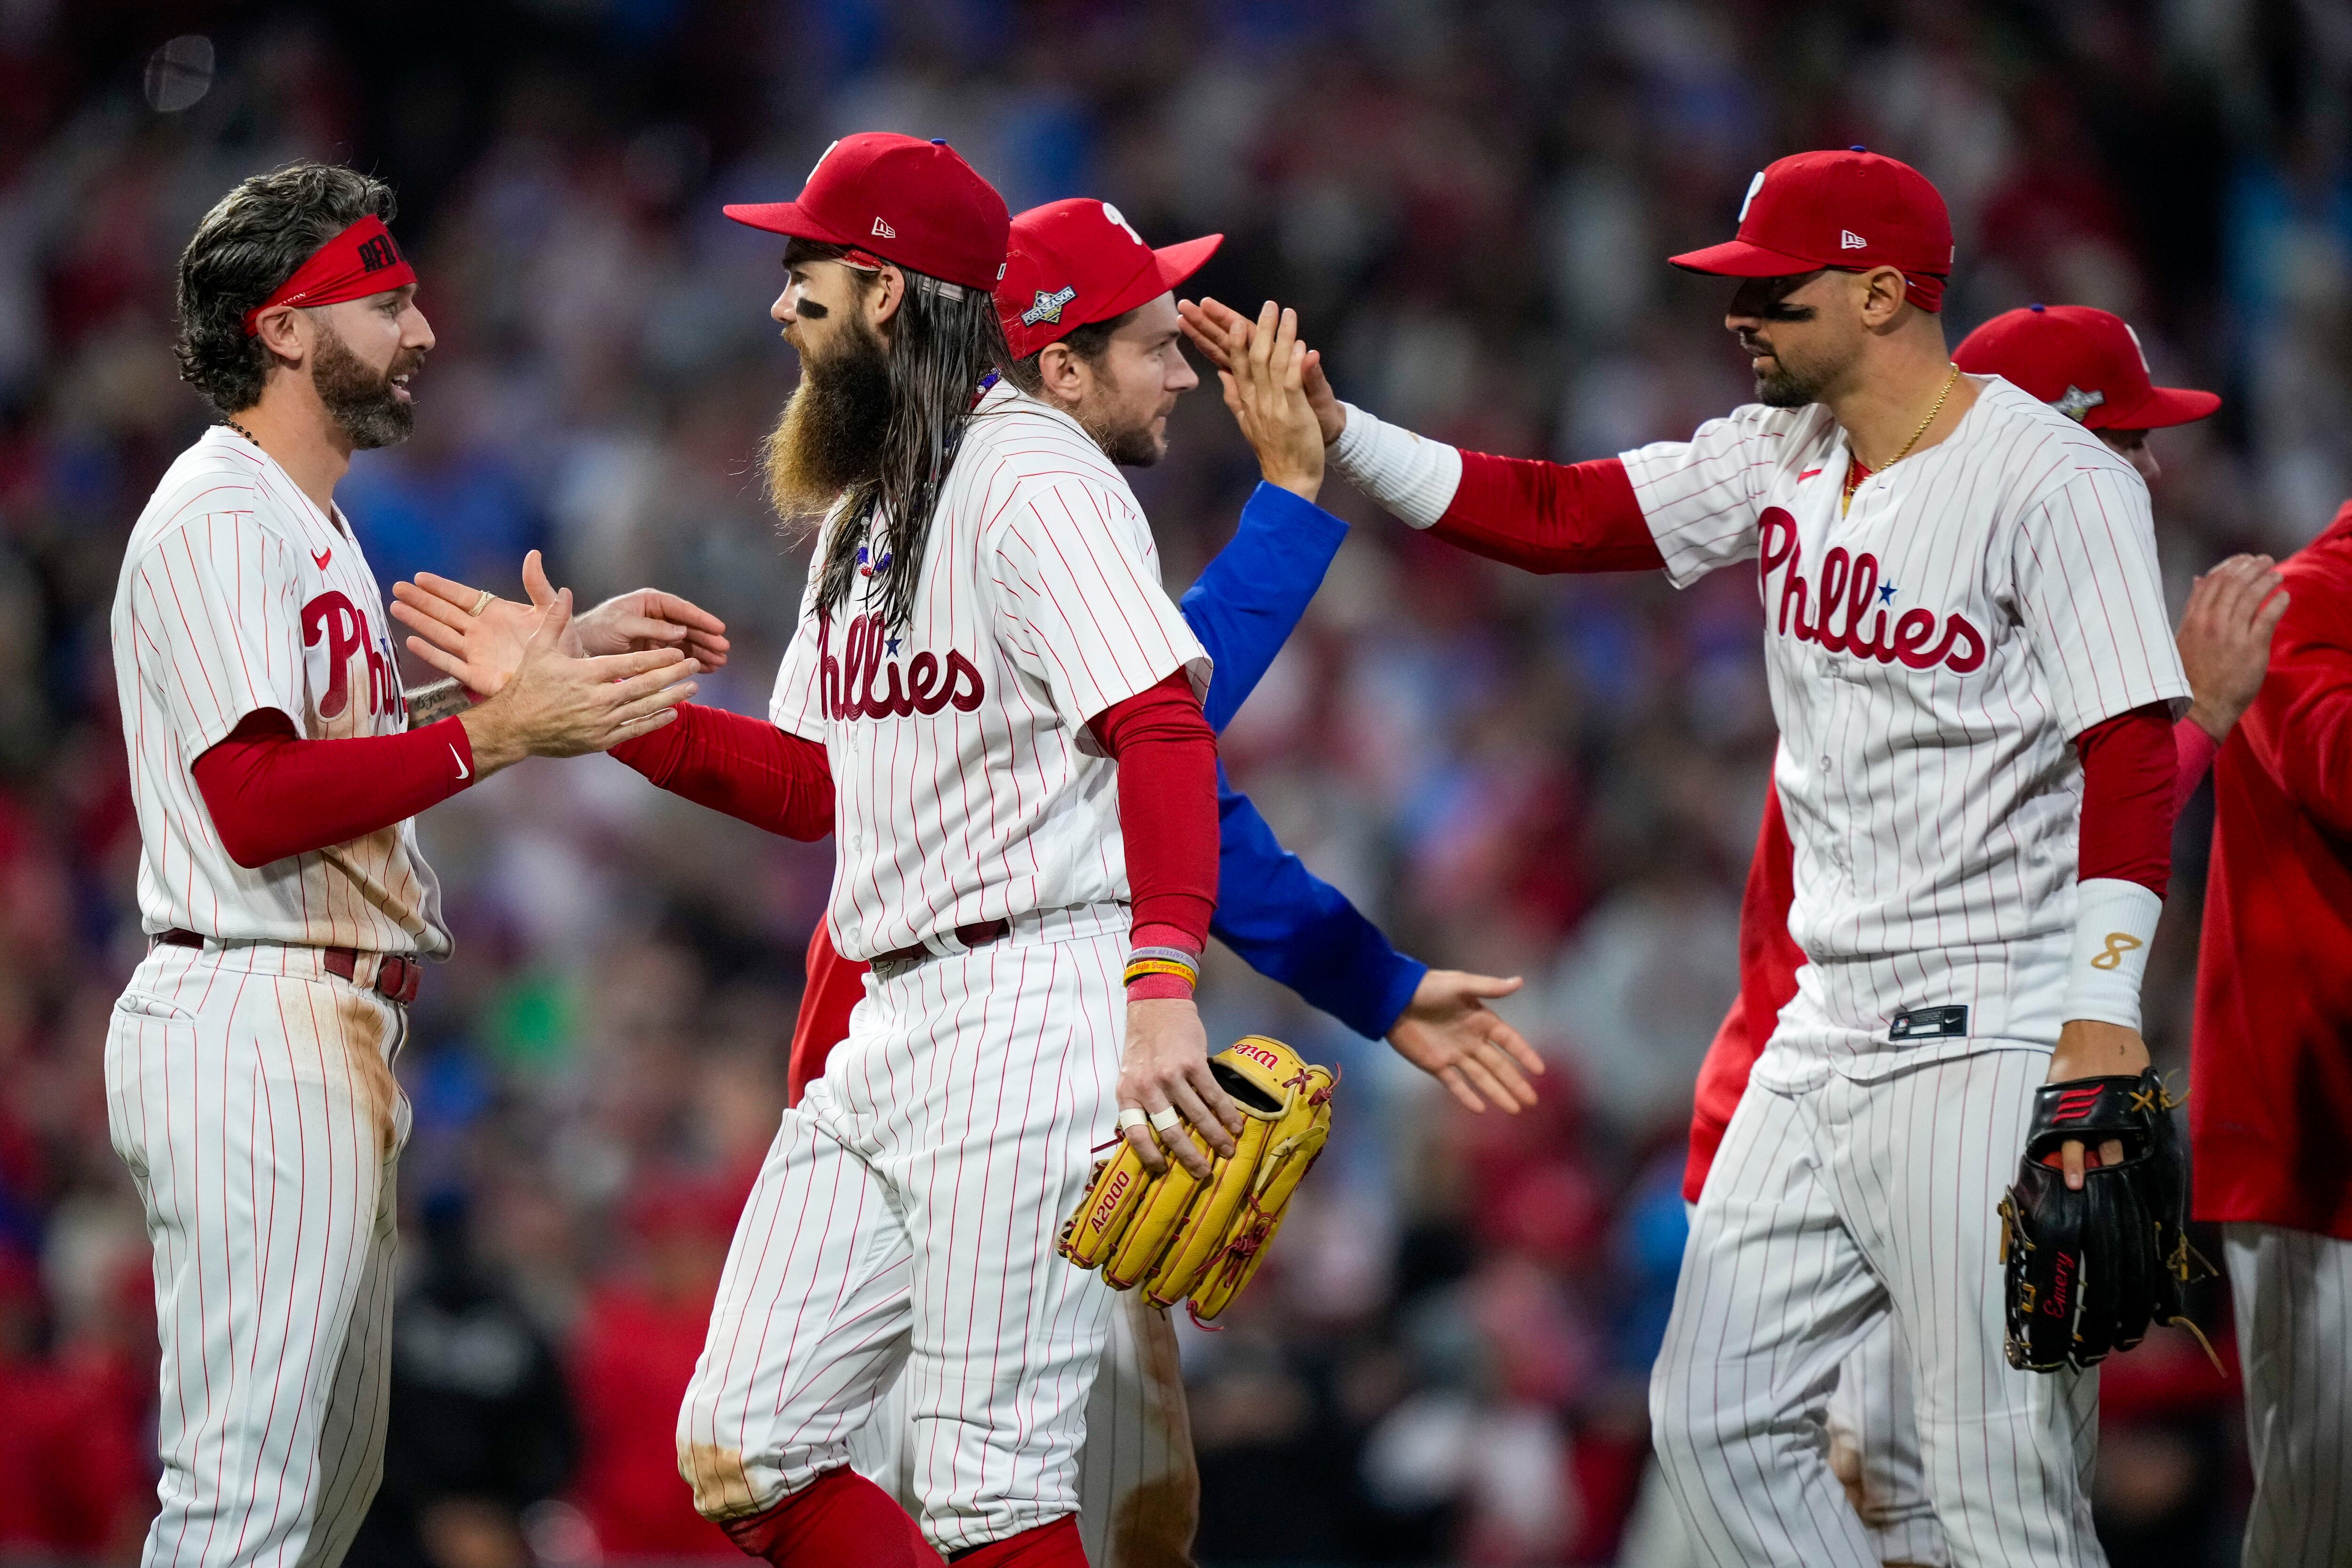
{"x": 249, "y": 245}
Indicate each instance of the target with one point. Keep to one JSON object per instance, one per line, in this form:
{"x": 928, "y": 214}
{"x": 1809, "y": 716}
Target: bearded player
{"x": 996, "y": 709}
{"x": 276, "y": 764}
{"x": 1090, "y": 319}
{"x": 2087, "y": 364}
{"x": 1972, "y": 670}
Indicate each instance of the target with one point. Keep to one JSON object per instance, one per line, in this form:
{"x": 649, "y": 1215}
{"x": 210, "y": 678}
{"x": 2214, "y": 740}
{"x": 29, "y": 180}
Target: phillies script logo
{"x": 335, "y": 619}
{"x": 868, "y": 681}
{"x": 1843, "y": 594}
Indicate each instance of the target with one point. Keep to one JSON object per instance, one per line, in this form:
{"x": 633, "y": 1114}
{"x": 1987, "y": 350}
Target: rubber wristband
{"x": 1159, "y": 988}
{"x": 2114, "y": 922}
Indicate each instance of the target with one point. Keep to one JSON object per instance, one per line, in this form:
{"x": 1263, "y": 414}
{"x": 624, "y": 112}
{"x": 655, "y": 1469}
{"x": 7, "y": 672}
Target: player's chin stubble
{"x": 830, "y": 434}
{"x": 362, "y": 402}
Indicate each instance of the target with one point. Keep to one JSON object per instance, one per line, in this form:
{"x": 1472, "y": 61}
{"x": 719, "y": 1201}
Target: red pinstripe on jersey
{"x": 1925, "y": 773}
{"x": 224, "y": 609}
{"x": 1040, "y": 606}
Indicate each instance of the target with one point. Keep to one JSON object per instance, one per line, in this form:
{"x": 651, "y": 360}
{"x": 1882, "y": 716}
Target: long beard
{"x": 830, "y": 434}
{"x": 362, "y": 403}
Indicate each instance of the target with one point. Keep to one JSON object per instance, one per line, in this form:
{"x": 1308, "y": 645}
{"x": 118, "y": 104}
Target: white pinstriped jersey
{"x": 966, "y": 785}
{"x": 237, "y": 594}
{"x": 1932, "y": 652}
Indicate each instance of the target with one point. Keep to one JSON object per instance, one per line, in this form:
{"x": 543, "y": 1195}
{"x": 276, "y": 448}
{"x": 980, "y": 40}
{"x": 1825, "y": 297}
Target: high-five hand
{"x": 1449, "y": 1032}
{"x": 2225, "y": 639}
{"x": 554, "y": 705}
{"x": 479, "y": 637}
{"x": 1264, "y": 392}
{"x": 1223, "y": 335}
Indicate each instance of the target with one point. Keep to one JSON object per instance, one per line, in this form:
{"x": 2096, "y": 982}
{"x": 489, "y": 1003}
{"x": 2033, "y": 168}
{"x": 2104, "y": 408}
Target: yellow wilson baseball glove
{"x": 1178, "y": 1237}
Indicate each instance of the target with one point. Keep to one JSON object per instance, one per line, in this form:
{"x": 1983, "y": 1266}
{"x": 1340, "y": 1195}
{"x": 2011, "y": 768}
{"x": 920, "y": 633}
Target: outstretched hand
{"x": 1263, "y": 389}
{"x": 483, "y": 650}
{"x": 1449, "y": 1032}
{"x": 554, "y": 703}
{"x": 1222, "y": 334}
{"x": 2225, "y": 639}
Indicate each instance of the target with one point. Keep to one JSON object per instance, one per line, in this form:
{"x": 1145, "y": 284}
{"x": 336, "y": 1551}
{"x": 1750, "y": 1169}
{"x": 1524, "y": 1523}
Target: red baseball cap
{"x": 1850, "y": 209}
{"x": 2087, "y": 364}
{"x": 910, "y": 201}
{"x": 1075, "y": 261}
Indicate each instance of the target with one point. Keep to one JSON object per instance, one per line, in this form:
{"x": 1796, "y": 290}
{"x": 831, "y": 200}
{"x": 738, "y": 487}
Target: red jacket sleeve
{"x": 1167, "y": 808}
{"x": 1549, "y": 516}
{"x": 2300, "y": 727}
{"x": 744, "y": 767}
{"x": 2131, "y": 770}
{"x": 273, "y": 794}
{"x": 2193, "y": 752}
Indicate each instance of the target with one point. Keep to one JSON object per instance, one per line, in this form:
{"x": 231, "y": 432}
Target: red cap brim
{"x": 783, "y": 218}
{"x": 2163, "y": 406}
{"x": 1738, "y": 259}
{"x": 1185, "y": 258}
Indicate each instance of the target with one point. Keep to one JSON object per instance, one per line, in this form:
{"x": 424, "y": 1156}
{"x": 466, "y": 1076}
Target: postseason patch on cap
{"x": 1049, "y": 306}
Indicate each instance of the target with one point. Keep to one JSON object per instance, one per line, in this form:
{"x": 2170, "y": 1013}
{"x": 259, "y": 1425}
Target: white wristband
{"x": 2115, "y": 922}
{"x": 1412, "y": 475}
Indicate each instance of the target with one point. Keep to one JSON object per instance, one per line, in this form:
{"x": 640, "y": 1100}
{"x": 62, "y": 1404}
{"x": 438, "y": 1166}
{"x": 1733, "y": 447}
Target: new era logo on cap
{"x": 1849, "y": 240}
{"x": 884, "y": 231}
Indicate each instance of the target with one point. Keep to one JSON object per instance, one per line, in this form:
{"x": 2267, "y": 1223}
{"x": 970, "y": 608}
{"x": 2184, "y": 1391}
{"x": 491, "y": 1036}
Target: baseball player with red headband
{"x": 2087, "y": 364}
{"x": 276, "y": 764}
{"x": 1973, "y": 675}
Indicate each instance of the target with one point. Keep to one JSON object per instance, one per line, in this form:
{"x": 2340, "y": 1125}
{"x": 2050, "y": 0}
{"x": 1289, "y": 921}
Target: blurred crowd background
{"x": 1470, "y": 202}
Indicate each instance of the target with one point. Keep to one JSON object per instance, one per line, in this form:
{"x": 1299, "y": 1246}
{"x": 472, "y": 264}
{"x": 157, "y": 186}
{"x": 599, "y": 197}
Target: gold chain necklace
{"x": 1950, "y": 381}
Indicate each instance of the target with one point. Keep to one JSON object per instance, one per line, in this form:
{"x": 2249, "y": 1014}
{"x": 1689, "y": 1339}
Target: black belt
{"x": 398, "y": 976}
{"x": 979, "y": 934}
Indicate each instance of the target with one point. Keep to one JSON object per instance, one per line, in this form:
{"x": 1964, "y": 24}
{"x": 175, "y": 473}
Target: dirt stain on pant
{"x": 722, "y": 1489}
{"x": 364, "y": 1039}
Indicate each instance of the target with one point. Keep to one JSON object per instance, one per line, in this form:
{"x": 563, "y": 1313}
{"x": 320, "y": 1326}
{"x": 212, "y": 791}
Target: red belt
{"x": 978, "y": 934}
{"x": 396, "y": 976}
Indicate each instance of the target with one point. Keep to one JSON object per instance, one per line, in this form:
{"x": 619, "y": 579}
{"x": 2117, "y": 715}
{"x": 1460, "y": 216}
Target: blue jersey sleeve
{"x": 1248, "y": 599}
{"x": 1288, "y": 924}
{"x": 1293, "y": 928}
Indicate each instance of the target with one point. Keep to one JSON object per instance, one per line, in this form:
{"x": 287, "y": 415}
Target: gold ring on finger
{"x": 483, "y": 602}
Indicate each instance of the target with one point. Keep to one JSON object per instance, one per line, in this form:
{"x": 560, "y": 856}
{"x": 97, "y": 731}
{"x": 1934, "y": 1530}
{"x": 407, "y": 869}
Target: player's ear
{"x": 884, "y": 294}
{"x": 284, "y": 333}
{"x": 1882, "y": 290}
{"x": 1061, "y": 374}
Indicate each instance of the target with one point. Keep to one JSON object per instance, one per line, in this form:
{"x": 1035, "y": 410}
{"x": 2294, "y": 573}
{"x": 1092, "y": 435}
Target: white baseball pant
{"x": 1837, "y": 1206}
{"x": 904, "y": 1218}
{"x": 1139, "y": 1486}
{"x": 251, "y": 1094}
{"x": 2293, "y": 1295}
{"x": 1873, "y": 1437}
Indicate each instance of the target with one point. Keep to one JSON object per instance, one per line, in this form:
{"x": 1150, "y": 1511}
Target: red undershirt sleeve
{"x": 1167, "y": 758}
{"x": 1549, "y": 516}
{"x": 273, "y": 794}
{"x": 2130, "y": 784}
{"x": 747, "y": 768}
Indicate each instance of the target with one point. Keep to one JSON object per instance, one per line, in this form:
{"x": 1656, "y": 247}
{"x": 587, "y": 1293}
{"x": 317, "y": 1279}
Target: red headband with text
{"x": 356, "y": 263}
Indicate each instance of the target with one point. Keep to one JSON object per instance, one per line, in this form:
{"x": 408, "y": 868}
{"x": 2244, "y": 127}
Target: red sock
{"x": 1053, "y": 1546}
{"x": 838, "y": 1518}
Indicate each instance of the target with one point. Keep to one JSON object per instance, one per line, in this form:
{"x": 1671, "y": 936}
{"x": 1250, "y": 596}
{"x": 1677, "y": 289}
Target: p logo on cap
{"x": 1079, "y": 261}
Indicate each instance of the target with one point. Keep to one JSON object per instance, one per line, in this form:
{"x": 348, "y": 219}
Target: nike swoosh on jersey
{"x": 1807, "y": 474}
{"x": 323, "y": 557}
{"x": 463, "y": 774}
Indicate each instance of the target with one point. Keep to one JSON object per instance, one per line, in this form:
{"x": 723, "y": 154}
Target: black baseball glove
{"x": 2088, "y": 1271}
